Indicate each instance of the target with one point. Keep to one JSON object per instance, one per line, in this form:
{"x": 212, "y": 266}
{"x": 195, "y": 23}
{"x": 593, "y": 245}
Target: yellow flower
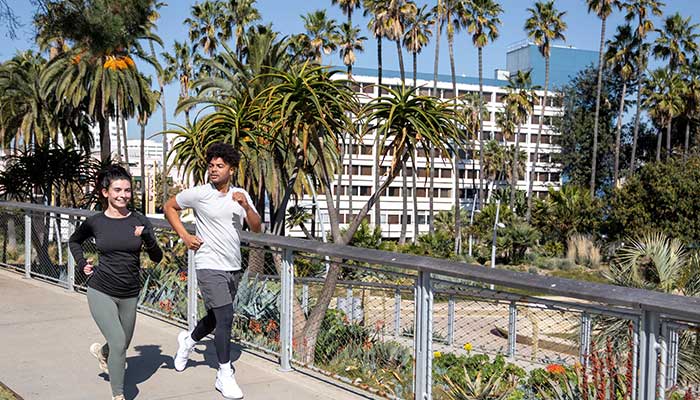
{"x": 437, "y": 354}
{"x": 468, "y": 347}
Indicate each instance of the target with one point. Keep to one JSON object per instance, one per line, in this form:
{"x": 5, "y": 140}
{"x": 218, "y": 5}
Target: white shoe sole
{"x": 217, "y": 386}
{"x": 179, "y": 345}
{"x": 101, "y": 361}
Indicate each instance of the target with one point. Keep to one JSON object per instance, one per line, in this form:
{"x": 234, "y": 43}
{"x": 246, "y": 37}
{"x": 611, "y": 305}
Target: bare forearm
{"x": 253, "y": 220}
{"x": 172, "y": 214}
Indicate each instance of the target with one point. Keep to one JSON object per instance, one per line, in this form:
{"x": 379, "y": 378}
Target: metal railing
{"x": 393, "y": 312}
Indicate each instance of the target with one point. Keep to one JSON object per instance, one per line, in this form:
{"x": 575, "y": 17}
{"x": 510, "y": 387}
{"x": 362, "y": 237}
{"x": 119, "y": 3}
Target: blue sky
{"x": 583, "y": 32}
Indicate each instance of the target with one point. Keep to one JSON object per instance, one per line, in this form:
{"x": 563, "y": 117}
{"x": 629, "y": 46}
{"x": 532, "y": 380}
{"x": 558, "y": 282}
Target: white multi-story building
{"x": 546, "y": 173}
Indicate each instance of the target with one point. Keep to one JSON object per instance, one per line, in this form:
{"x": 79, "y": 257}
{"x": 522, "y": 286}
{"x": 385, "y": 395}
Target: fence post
{"x": 423, "y": 338}
{"x": 635, "y": 357}
{"x": 585, "y": 338}
{"x": 350, "y": 304}
{"x": 70, "y": 281}
{"x": 512, "y": 329}
{"x": 27, "y": 246}
{"x": 451, "y": 320}
{"x": 663, "y": 361}
{"x": 397, "y": 313}
{"x": 648, "y": 336}
{"x": 191, "y": 292}
{"x": 672, "y": 342}
{"x": 286, "y": 321}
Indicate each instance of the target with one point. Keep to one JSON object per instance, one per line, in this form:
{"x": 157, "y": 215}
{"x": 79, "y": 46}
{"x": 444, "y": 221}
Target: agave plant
{"x": 497, "y": 383}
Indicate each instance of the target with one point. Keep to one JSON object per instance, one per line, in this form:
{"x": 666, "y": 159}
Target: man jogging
{"x": 219, "y": 211}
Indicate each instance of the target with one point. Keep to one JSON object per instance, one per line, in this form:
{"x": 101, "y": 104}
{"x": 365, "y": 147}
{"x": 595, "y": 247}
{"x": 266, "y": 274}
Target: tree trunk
{"x": 377, "y": 158}
{"x": 457, "y": 205}
{"x": 668, "y": 139}
{"x": 481, "y": 125}
{"x": 105, "y": 140}
{"x": 401, "y": 67}
{"x": 618, "y": 133}
{"x": 164, "y": 176}
{"x": 349, "y": 192}
{"x": 431, "y": 205}
{"x": 686, "y": 143}
{"x": 404, "y": 200}
{"x": 514, "y": 169}
{"x": 143, "y": 166}
{"x": 638, "y": 111}
{"x": 528, "y": 215}
{"x": 118, "y": 122}
{"x": 126, "y": 144}
{"x": 594, "y": 157}
{"x": 413, "y": 175}
{"x": 659, "y": 138}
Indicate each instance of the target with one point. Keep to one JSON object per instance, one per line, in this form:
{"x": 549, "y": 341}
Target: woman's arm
{"x": 150, "y": 242}
{"x": 82, "y": 233}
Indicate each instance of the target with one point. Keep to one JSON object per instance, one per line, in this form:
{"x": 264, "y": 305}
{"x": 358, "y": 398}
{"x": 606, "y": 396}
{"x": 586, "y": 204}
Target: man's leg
{"x": 222, "y": 333}
{"x": 186, "y": 340}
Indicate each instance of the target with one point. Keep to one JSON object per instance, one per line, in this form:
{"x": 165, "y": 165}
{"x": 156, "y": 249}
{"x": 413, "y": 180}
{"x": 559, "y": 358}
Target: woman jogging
{"x": 114, "y": 283}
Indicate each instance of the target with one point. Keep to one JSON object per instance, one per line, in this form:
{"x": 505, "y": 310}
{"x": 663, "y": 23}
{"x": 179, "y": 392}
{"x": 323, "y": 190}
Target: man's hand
{"x": 192, "y": 242}
{"x": 240, "y": 198}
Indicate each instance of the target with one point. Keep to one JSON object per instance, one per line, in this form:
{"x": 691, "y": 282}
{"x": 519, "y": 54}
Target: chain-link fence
{"x": 394, "y": 329}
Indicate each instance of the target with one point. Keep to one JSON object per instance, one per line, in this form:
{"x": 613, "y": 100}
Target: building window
{"x": 446, "y": 173}
{"x": 393, "y": 219}
{"x": 421, "y": 192}
{"x": 487, "y": 97}
{"x": 366, "y": 149}
{"x": 422, "y": 172}
{"x": 393, "y": 192}
{"x": 554, "y": 177}
{"x": 448, "y": 94}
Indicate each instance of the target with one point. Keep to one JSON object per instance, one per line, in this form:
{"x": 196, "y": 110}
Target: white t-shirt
{"x": 218, "y": 219}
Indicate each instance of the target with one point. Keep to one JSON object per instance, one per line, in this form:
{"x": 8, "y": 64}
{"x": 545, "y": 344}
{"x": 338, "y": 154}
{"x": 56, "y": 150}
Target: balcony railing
{"x": 410, "y": 307}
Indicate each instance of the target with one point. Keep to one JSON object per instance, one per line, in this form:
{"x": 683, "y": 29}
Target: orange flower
{"x": 182, "y": 276}
{"x": 166, "y": 305}
{"x": 129, "y": 61}
{"x": 255, "y": 326}
{"x": 271, "y": 326}
{"x": 555, "y": 369}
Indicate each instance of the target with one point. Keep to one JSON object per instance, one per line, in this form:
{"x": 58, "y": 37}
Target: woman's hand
{"x": 88, "y": 268}
{"x": 138, "y": 230}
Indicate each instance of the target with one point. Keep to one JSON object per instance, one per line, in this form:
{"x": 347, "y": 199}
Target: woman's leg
{"x": 105, "y": 312}
{"x": 127, "y": 317}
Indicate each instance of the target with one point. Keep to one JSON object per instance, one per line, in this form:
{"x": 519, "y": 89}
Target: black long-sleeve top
{"x": 118, "y": 272}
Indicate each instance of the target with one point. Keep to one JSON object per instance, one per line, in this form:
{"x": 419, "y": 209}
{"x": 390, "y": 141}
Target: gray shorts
{"x": 218, "y": 288}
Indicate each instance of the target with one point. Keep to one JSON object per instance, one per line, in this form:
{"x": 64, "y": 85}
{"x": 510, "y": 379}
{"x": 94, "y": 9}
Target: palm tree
{"x": 454, "y": 18}
{"x": 544, "y": 25}
{"x": 377, "y": 25}
{"x": 438, "y": 11}
{"x": 482, "y": 20}
{"x": 398, "y": 13}
{"x": 350, "y": 42}
{"x": 417, "y": 36}
{"x": 495, "y": 154}
{"x": 663, "y": 97}
{"x": 179, "y": 64}
{"x": 99, "y": 71}
{"x": 677, "y": 41}
{"x": 640, "y": 10}
{"x": 621, "y": 56}
{"x": 347, "y": 6}
{"x": 207, "y": 26}
{"x": 322, "y": 34}
{"x": 692, "y": 103}
{"x": 603, "y": 9}
{"x": 520, "y": 99}
{"x": 239, "y": 14}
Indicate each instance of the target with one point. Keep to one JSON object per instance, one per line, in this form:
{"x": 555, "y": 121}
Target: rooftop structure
{"x": 565, "y": 62}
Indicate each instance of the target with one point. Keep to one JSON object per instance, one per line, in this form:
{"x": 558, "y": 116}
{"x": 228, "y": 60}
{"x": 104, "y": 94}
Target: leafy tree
{"x": 661, "y": 196}
{"x": 663, "y": 97}
{"x": 577, "y": 122}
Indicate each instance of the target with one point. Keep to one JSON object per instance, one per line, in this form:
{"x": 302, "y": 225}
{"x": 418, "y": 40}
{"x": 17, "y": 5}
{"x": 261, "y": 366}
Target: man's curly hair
{"x": 224, "y": 151}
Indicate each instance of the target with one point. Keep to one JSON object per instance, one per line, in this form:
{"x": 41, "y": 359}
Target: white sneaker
{"x": 226, "y": 384}
{"x": 183, "y": 351}
{"x": 96, "y": 351}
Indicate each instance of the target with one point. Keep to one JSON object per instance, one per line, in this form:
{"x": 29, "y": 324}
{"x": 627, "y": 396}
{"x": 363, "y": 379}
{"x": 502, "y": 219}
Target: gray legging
{"x": 116, "y": 319}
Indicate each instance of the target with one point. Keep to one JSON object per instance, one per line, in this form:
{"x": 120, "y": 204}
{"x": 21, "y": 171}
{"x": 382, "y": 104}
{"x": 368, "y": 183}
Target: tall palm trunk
{"x": 616, "y": 166}
{"x": 668, "y": 139}
{"x": 404, "y": 180}
{"x": 349, "y": 192}
{"x": 514, "y": 169}
{"x": 431, "y": 169}
{"x": 638, "y": 111}
{"x": 377, "y": 157}
{"x": 126, "y": 144}
{"x": 164, "y": 176}
{"x": 596, "y": 124}
{"x": 105, "y": 140}
{"x": 456, "y": 161}
{"x": 119, "y": 138}
{"x": 686, "y": 142}
{"x": 659, "y": 139}
{"x": 528, "y": 215}
{"x": 413, "y": 174}
{"x": 481, "y": 126}
{"x": 402, "y": 70}
{"x": 143, "y": 165}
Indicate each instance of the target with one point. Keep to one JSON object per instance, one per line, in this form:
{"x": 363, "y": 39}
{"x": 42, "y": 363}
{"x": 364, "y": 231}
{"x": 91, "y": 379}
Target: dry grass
{"x": 583, "y": 251}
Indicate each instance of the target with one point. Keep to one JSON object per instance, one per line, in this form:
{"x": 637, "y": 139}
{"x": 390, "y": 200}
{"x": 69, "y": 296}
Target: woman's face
{"x": 118, "y": 194}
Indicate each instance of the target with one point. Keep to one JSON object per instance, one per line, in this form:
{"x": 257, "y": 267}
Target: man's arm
{"x": 172, "y": 214}
{"x": 251, "y": 214}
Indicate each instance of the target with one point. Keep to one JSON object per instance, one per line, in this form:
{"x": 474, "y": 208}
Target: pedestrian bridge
{"x": 45, "y": 332}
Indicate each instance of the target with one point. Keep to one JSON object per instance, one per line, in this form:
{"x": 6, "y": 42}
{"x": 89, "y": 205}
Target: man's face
{"x": 219, "y": 171}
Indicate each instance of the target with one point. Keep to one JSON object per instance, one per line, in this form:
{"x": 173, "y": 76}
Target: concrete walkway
{"x": 45, "y": 333}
